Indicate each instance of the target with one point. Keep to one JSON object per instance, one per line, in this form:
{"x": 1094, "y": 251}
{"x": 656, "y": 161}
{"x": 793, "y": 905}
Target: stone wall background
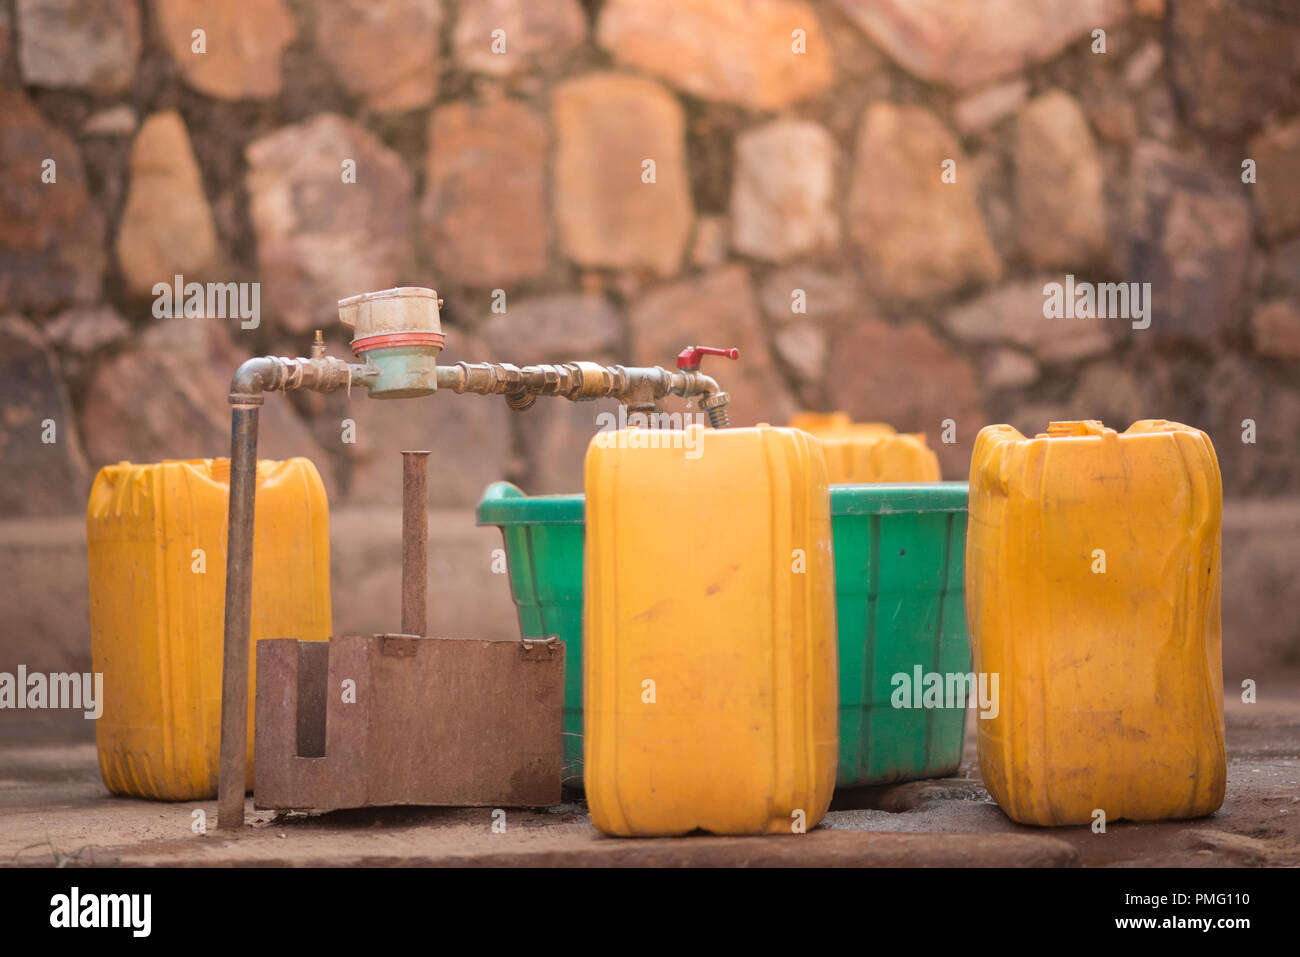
{"x": 521, "y": 171}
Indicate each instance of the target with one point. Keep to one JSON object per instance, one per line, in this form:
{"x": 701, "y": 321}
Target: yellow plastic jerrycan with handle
{"x": 157, "y": 549}
{"x": 1092, "y": 592}
{"x": 709, "y": 672}
{"x": 869, "y": 452}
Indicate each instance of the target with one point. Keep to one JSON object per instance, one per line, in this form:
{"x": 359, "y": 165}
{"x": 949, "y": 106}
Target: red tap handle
{"x": 691, "y": 357}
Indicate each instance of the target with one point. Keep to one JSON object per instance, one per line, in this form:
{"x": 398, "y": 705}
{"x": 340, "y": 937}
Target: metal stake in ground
{"x": 415, "y": 541}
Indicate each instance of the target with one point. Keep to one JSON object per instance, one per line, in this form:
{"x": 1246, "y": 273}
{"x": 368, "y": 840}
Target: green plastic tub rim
{"x": 506, "y": 504}
{"x": 900, "y": 498}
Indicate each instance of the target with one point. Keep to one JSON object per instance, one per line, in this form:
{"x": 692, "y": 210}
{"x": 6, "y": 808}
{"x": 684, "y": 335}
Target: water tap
{"x": 714, "y": 403}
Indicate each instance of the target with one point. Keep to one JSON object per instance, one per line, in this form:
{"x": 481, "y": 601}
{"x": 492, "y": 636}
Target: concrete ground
{"x": 55, "y": 811}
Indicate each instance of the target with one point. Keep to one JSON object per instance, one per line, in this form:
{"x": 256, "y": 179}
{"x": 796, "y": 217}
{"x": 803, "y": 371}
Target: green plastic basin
{"x": 543, "y": 537}
{"x": 899, "y": 603}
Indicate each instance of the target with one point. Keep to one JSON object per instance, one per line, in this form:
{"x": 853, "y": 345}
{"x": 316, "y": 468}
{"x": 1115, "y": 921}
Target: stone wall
{"x": 627, "y": 177}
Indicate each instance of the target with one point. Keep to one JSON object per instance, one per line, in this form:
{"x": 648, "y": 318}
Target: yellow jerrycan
{"x": 868, "y": 452}
{"x": 709, "y": 672}
{"x": 157, "y": 551}
{"x": 1092, "y": 592}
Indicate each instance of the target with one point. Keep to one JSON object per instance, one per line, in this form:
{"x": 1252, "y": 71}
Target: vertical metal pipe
{"x": 239, "y": 582}
{"x": 415, "y": 541}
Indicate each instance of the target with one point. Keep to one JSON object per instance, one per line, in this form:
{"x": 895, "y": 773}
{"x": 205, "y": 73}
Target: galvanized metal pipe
{"x": 239, "y": 577}
{"x": 254, "y": 377}
{"x": 638, "y": 387}
{"x": 415, "y": 541}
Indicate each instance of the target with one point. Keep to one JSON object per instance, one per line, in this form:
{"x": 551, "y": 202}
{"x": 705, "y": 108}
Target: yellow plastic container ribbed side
{"x": 709, "y": 680}
{"x": 866, "y": 452}
{"x": 157, "y": 552}
{"x": 1092, "y": 591}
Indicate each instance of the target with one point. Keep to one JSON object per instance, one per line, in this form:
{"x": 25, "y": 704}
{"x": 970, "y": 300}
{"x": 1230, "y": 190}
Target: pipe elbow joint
{"x": 253, "y": 378}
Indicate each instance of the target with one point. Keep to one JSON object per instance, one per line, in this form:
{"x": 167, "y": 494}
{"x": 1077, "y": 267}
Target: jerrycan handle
{"x": 1081, "y": 427}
